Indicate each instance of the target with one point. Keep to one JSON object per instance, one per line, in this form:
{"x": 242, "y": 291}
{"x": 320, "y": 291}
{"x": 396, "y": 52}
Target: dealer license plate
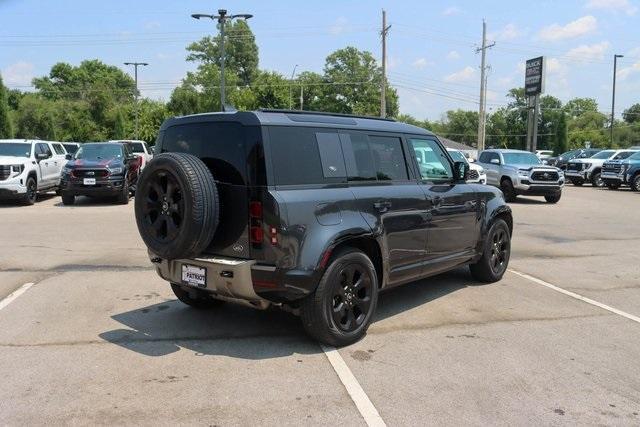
{"x": 89, "y": 181}
{"x": 194, "y": 276}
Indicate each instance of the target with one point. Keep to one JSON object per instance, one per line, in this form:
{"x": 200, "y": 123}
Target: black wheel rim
{"x": 163, "y": 206}
{"x": 499, "y": 251}
{"x": 31, "y": 190}
{"x": 351, "y": 299}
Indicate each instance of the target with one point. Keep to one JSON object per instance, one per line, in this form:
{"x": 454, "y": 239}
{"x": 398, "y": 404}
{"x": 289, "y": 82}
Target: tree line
{"x": 95, "y": 101}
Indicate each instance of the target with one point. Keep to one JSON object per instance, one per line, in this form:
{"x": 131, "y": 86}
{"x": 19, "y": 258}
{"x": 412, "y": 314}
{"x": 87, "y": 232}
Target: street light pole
{"x": 293, "y": 73}
{"x": 613, "y": 96}
{"x": 135, "y": 73}
{"x": 222, "y": 18}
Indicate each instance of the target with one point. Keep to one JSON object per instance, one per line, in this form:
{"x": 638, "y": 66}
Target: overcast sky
{"x": 431, "y": 45}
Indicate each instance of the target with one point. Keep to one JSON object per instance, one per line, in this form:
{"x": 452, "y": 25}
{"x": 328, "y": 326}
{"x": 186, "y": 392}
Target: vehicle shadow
{"x": 84, "y": 201}
{"x": 12, "y": 203}
{"x": 527, "y": 201}
{"x": 164, "y": 328}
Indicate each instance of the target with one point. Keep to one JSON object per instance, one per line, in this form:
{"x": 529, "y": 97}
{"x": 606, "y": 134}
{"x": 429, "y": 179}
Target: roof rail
{"x": 322, "y": 113}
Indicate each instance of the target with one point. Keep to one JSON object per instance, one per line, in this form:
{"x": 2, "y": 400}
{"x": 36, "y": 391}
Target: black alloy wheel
{"x": 164, "y": 206}
{"x": 32, "y": 191}
{"x": 500, "y": 244}
{"x": 352, "y": 297}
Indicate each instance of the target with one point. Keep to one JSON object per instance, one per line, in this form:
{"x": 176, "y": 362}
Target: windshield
{"x": 520, "y": 159}
{"x": 137, "y": 147}
{"x": 15, "y": 149}
{"x": 457, "y": 156}
{"x": 71, "y": 148}
{"x": 623, "y": 155}
{"x": 603, "y": 154}
{"x": 99, "y": 152}
{"x": 568, "y": 154}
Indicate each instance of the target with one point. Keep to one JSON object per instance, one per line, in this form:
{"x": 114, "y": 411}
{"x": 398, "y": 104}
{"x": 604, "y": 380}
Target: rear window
{"x": 58, "y": 149}
{"x": 220, "y": 145}
{"x": 372, "y": 157}
{"x": 137, "y": 147}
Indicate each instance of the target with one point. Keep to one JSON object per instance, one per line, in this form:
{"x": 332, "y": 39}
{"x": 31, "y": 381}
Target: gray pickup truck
{"x": 518, "y": 172}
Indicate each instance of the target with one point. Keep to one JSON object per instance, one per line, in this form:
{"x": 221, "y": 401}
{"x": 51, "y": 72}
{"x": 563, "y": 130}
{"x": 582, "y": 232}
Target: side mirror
{"x": 461, "y": 171}
{"x": 495, "y": 161}
{"x": 68, "y": 156}
{"x": 41, "y": 156}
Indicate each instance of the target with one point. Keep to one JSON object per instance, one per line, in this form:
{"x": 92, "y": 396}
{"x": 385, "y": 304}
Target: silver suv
{"x": 518, "y": 172}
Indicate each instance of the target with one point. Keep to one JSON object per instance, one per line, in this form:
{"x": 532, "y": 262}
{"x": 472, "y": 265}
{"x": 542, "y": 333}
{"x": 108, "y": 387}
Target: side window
{"x": 484, "y": 157}
{"x": 388, "y": 159}
{"x": 302, "y": 155}
{"x": 357, "y": 156}
{"x": 41, "y": 147}
{"x": 432, "y": 161}
{"x": 58, "y": 149}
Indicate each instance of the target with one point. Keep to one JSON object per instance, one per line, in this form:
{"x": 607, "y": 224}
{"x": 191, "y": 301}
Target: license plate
{"x": 89, "y": 181}
{"x": 194, "y": 276}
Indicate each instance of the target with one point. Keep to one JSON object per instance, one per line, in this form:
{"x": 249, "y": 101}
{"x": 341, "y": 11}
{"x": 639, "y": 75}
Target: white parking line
{"x": 577, "y": 296}
{"x": 15, "y": 294}
{"x": 359, "y": 397}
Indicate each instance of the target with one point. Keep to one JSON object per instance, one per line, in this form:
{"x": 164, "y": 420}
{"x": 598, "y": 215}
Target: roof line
{"x": 322, "y": 113}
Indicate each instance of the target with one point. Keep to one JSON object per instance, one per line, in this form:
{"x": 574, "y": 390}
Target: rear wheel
{"x": 195, "y": 297}
{"x": 495, "y": 257}
{"x": 339, "y": 312}
{"x": 635, "y": 183}
{"x": 553, "y": 198}
{"x": 31, "y": 195}
{"x": 507, "y": 189}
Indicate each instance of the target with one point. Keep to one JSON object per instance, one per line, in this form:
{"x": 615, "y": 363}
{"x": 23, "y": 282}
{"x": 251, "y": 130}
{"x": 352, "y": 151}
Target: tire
{"x": 577, "y": 182}
{"x": 195, "y": 297}
{"x": 31, "y": 195}
{"x": 507, "y": 189}
{"x": 176, "y": 205}
{"x": 123, "y": 196}
{"x": 349, "y": 282}
{"x": 495, "y": 256}
{"x": 596, "y": 180}
{"x": 554, "y": 198}
{"x": 613, "y": 186}
{"x": 68, "y": 200}
{"x": 635, "y": 183}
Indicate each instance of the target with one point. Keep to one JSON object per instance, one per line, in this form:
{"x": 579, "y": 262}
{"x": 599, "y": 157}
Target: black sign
{"x": 534, "y": 77}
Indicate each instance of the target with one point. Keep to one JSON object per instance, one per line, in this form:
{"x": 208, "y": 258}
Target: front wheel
{"x": 507, "y": 189}
{"x": 553, "y": 198}
{"x": 32, "y": 191}
{"x": 495, "y": 257}
{"x": 635, "y": 183}
{"x": 340, "y": 311}
{"x": 123, "y": 196}
{"x": 596, "y": 180}
{"x": 195, "y": 297}
{"x": 68, "y": 199}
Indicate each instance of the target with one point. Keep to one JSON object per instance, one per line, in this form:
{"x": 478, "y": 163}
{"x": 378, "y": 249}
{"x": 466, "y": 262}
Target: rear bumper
{"x": 242, "y": 280}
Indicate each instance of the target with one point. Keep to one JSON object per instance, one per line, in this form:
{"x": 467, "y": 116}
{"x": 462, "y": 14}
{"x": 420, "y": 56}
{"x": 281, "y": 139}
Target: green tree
{"x": 632, "y": 114}
{"x": 6, "y": 129}
{"x": 36, "y": 118}
{"x": 577, "y": 106}
{"x": 119, "y": 126}
{"x": 352, "y": 84}
{"x": 241, "y": 51}
{"x": 561, "y": 137}
{"x": 461, "y": 126}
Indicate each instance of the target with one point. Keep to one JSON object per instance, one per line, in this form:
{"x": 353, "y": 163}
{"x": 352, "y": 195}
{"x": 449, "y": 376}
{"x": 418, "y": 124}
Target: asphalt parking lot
{"x": 100, "y": 339}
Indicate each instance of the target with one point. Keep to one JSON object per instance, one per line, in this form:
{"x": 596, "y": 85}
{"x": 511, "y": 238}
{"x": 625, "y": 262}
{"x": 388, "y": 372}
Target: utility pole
{"x": 135, "y": 73}
{"x": 383, "y": 88}
{"x": 293, "y": 73}
{"x": 613, "y": 96}
{"x": 301, "y": 96}
{"x": 222, "y": 18}
{"x": 483, "y": 86}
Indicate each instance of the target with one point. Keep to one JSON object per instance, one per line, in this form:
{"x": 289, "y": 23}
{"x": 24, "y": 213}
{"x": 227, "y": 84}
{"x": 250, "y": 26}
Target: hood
{"x": 98, "y": 164}
{"x": 475, "y": 167}
{"x": 588, "y": 160}
{"x": 12, "y": 160}
{"x": 529, "y": 167}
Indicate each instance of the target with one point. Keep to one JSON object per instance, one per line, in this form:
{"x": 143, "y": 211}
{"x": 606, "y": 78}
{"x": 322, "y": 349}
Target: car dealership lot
{"x": 99, "y": 338}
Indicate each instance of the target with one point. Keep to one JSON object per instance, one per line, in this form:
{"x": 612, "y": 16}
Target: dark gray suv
{"x": 313, "y": 212}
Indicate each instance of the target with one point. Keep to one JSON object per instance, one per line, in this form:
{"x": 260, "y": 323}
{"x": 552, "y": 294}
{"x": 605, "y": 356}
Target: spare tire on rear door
{"x": 177, "y": 205}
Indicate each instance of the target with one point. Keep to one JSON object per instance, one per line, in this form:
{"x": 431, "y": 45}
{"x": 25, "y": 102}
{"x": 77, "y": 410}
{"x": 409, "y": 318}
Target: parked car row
{"x": 583, "y": 170}
{"x": 32, "y": 167}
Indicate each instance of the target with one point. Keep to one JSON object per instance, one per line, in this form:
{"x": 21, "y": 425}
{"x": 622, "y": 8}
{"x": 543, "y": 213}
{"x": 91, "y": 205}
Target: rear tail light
{"x": 255, "y": 210}
{"x": 256, "y": 235}
{"x": 257, "y": 230}
{"x": 273, "y": 234}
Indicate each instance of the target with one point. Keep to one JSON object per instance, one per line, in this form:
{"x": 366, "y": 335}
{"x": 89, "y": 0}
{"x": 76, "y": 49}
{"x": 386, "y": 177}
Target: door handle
{"x": 382, "y": 206}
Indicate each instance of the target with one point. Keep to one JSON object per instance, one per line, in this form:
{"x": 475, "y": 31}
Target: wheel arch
{"x": 368, "y": 245}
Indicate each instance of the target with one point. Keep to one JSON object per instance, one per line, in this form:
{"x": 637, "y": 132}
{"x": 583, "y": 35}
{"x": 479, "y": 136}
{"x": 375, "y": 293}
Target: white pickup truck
{"x": 580, "y": 171}
{"x": 29, "y": 167}
{"x": 140, "y": 149}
